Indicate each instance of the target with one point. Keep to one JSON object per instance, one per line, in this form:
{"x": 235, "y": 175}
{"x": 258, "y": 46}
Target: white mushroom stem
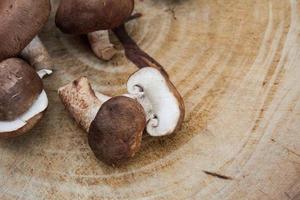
{"x": 37, "y": 55}
{"x": 101, "y": 45}
{"x": 81, "y": 101}
{"x": 43, "y": 72}
{"x": 102, "y": 97}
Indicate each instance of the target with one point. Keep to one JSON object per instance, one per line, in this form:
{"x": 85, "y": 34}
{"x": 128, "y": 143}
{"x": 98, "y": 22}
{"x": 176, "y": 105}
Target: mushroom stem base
{"x": 37, "y": 55}
{"x": 81, "y": 101}
{"x": 101, "y": 45}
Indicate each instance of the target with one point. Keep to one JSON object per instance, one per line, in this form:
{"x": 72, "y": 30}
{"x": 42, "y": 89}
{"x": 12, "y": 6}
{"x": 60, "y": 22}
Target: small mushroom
{"x": 20, "y": 22}
{"x": 22, "y": 98}
{"x": 94, "y": 18}
{"x": 114, "y": 125}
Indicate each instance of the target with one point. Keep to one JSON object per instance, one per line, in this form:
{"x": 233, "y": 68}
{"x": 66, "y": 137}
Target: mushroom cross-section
{"x": 160, "y": 99}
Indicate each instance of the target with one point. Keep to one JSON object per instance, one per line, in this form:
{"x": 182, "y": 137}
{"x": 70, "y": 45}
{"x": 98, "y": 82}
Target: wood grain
{"x": 237, "y": 65}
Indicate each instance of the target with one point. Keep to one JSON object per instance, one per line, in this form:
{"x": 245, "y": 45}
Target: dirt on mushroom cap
{"x": 115, "y": 134}
{"x": 82, "y": 17}
{"x": 20, "y": 21}
{"x": 20, "y": 86}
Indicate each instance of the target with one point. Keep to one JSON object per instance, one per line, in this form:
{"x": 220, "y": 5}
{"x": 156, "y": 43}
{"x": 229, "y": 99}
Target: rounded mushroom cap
{"x": 115, "y": 134}
{"x": 20, "y": 86}
{"x": 82, "y": 17}
{"x": 20, "y": 22}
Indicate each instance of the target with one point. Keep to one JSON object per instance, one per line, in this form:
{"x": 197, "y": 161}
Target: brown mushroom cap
{"x": 20, "y": 86}
{"x": 20, "y": 21}
{"x": 82, "y": 17}
{"x": 115, "y": 134}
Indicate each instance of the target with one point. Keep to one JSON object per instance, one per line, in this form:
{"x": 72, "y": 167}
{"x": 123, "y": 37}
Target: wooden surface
{"x": 237, "y": 65}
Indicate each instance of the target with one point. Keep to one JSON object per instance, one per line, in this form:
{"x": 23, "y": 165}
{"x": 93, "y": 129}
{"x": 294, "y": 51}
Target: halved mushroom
{"x": 94, "y": 18}
{"x": 160, "y": 99}
{"x": 22, "y": 98}
{"x": 115, "y": 125}
{"x": 20, "y": 22}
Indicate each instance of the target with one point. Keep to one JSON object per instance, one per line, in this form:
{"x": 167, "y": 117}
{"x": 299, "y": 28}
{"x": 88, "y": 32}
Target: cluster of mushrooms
{"x": 115, "y": 125}
{"x": 24, "y": 61}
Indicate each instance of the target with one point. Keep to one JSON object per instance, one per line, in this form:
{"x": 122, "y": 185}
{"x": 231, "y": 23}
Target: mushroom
{"x": 161, "y": 101}
{"x": 20, "y": 22}
{"x": 114, "y": 125}
{"x": 94, "y": 18}
{"x": 22, "y": 98}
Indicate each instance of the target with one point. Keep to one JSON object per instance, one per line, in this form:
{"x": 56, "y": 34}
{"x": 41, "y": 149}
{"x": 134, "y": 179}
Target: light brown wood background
{"x": 237, "y": 65}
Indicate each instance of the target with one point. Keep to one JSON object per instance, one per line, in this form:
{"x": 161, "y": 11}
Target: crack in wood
{"x": 286, "y": 148}
{"x": 288, "y": 196}
{"x": 217, "y": 175}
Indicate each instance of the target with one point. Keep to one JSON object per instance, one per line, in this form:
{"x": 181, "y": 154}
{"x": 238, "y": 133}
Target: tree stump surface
{"x": 237, "y": 65}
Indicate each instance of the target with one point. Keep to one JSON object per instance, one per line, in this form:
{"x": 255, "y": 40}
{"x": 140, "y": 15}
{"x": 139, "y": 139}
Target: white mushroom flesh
{"x": 43, "y": 72}
{"x": 38, "y": 106}
{"x": 150, "y": 88}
